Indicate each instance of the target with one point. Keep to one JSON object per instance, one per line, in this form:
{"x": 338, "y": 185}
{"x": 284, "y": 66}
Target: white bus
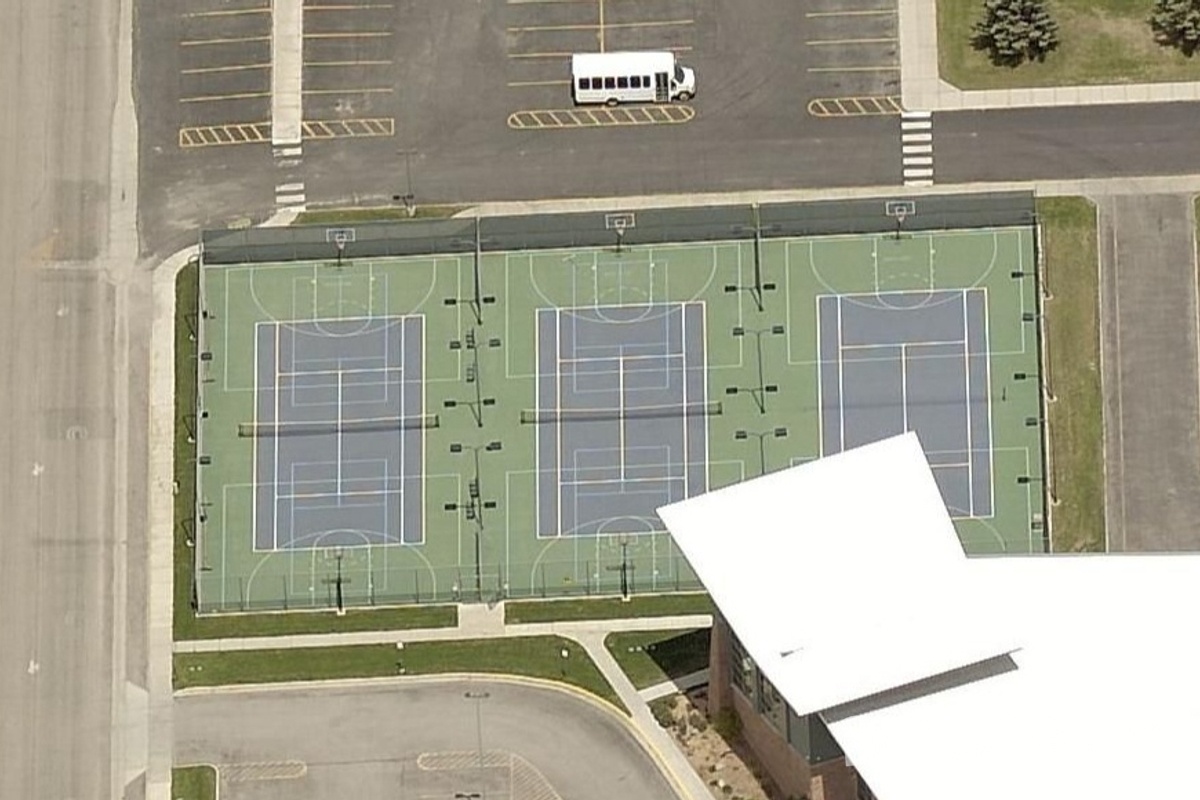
{"x": 614, "y": 78}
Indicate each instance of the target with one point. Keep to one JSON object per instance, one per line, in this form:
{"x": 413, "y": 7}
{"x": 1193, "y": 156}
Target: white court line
{"x": 619, "y": 482}
{"x": 684, "y": 420}
{"x": 558, "y": 440}
{"x": 904, "y": 386}
{"x": 820, "y": 376}
{"x": 967, "y": 378}
{"x": 987, "y": 360}
{"x": 275, "y": 422}
{"x": 621, "y": 415}
{"x": 253, "y": 447}
{"x": 350, "y": 371}
{"x": 537, "y": 407}
{"x": 841, "y": 383}
{"x": 339, "y": 434}
{"x": 880, "y": 345}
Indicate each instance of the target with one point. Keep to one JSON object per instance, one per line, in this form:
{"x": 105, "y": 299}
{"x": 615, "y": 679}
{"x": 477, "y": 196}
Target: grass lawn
{"x": 650, "y": 657}
{"x": 661, "y": 605}
{"x": 533, "y": 656}
{"x": 1100, "y": 42}
{"x": 194, "y": 783}
{"x": 380, "y": 214}
{"x": 1076, "y": 421}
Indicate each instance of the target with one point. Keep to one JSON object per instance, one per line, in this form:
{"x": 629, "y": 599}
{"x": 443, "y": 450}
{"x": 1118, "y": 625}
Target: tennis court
{"x": 421, "y": 428}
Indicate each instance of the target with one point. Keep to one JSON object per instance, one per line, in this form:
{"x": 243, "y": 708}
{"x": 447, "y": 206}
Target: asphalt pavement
{"x": 67, "y": 280}
{"x": 380, "y": 740}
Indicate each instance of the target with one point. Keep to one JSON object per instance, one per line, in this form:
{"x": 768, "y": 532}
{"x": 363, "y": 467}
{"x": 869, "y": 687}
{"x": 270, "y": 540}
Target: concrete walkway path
{"x": 681, "y": 684}
{"x": 474, "y": 622}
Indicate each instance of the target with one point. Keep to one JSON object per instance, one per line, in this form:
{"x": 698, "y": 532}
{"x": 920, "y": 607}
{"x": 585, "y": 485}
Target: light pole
{"x": 475, "y": 505}
{"x": 777, "y": 433}
{"x": 759, "y": 392}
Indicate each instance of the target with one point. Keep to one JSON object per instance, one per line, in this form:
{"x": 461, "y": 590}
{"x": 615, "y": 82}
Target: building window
{"x": 741, "y": 668}
{"x": 770, "y": 705}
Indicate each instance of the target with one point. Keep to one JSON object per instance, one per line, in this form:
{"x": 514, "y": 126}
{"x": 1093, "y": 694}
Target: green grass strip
{"x": 194, "y": 783}
{"x": 1076, "y": 417}
{"x": 1101, "y": 42}
{"x": 662, "y": 605}
{"x": 381, "y": 214}
{"x": 650, "y": 657}
{"x": 187, "y": 303}
{"x": 530, "y": 656}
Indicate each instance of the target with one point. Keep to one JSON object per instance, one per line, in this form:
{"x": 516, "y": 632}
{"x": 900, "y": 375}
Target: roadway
{"x": 66, "y": 267}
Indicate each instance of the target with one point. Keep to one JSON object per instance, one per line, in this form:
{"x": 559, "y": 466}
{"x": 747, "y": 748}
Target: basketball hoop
{"x": 339, "y": 241}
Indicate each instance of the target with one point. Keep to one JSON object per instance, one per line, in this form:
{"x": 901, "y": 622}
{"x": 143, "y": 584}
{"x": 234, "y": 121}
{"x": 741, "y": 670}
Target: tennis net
{"x": 271, "y": 430}
{"x": 540, "y": 416}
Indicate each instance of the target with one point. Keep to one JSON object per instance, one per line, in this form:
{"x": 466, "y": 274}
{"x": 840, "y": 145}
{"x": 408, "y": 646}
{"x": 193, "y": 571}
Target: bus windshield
{"x": 678, "y": 74}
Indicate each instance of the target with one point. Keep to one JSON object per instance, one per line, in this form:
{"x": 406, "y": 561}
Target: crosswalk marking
{"x": 916, "y": 148}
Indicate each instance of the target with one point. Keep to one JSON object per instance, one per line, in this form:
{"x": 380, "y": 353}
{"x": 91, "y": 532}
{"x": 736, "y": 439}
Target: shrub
{"x": 727, "y": 724}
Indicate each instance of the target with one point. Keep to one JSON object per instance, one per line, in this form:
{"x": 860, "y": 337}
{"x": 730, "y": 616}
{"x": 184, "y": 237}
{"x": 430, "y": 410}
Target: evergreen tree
{"x": 1176, "y": 23}
{"x": 1014, "y": 31}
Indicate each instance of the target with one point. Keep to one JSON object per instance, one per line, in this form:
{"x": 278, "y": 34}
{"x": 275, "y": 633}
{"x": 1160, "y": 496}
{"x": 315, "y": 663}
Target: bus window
{"x": 610, "y": 83}
{"x": 585, "y": 83}
{"x": 622, "y": 83}
{"x": 635, "y": 82}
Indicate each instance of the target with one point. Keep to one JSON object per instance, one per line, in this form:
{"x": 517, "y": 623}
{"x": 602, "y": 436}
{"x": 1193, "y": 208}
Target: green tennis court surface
{"x": 387, "y": 428}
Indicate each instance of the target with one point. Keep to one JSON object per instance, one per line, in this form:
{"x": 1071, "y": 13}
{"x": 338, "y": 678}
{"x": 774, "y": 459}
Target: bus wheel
{"x": 611, "y": 102}
{"x": 685, "y": 96}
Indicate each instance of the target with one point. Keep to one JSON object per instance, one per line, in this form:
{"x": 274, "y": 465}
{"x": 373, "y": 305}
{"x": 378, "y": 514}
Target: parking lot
{"x": 851, "y": 54}
{"x": 464, "y": 101}
{"x": 541, "y": 35}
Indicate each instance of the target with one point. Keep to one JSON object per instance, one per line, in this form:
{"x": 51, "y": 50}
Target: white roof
{"x": 854, "y": 560}
{"x": 605, "y": 63}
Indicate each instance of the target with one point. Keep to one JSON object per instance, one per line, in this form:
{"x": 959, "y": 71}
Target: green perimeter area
{"x": 194, "y": 783}
{"x": 532, "y": 656}
{"x": 663, "y": 605}
{"x": 331, "y": 216}
{"x": 187, "y": 624}
{"x": 650, "y": 657}
{"x": 516, "y": 561}
{"x": 1076, "y": 416}
{"x": 1101, "y": 42}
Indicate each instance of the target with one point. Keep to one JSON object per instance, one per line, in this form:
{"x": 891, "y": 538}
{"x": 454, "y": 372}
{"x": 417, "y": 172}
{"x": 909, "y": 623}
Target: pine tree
{"x": 1014, "y": 31}
{"x": 1176, "y": 23}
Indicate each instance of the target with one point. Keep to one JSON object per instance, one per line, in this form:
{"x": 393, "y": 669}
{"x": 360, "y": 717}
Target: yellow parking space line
{"x": 588, "y": 26}
{"x": 232, "y": 12}
{"x": 893, "y": 68}
{"x": 820, "y": 42}
{"x": 521, "y": 84}
{"x": 381, "y": 63}
{"x": 591, "y": 26}
{"x": 539, "y": 55}
{"x": 661, "y": 23}
{"x": 348, "y": 128}
{"x": 827, "y": 107}
{"x": 231, "y": 40}
{"x": 873, "y": 12}
{"x": 229, "y": 68}
{"x": 357, "y": 90}
{"x": 214, "y": 98}
{"x": 219, "y": 135}
{"x": 601, "y": 117}
{"x": 349, "y": 35}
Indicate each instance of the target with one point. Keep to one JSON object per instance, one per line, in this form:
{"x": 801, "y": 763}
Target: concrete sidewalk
{"x": 474, "y": 622}
{"x": 681, "y": 684}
